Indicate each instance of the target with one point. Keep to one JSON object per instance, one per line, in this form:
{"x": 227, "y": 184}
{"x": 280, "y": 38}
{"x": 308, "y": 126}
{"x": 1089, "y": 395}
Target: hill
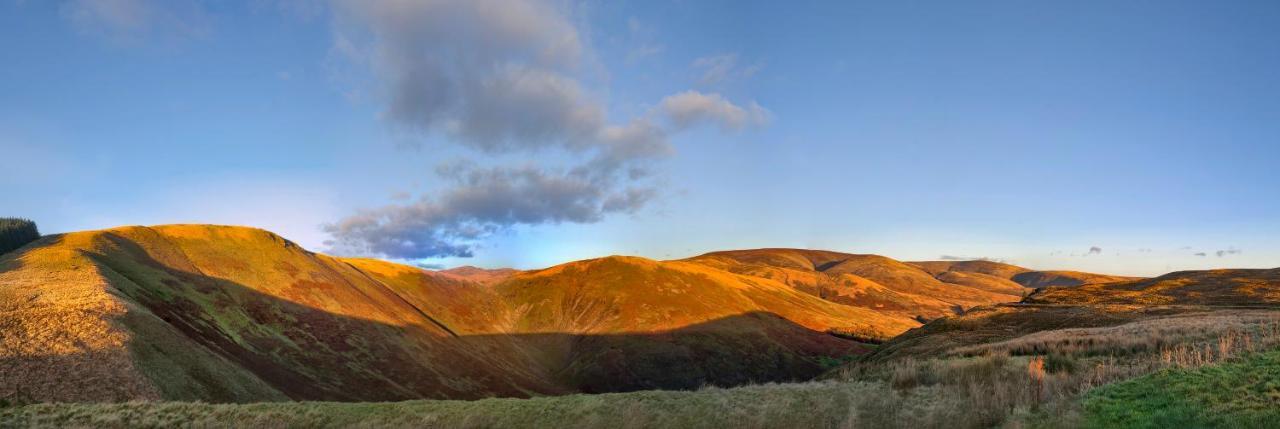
{"x": 197, "y": 312}
{"x": 868, "y": 281}
{"x": 224, "y": 314}
{"x": 1039, "y": 279}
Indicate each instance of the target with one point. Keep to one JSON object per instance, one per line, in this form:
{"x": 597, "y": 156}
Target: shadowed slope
{"x": 1039, "y": 279}
{"x": 69, "y": 335}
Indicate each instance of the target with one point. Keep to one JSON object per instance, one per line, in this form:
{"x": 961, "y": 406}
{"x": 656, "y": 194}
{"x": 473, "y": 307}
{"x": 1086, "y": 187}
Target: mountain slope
{"x": 1039, "y": 279}
{"x": 196, "y": 312}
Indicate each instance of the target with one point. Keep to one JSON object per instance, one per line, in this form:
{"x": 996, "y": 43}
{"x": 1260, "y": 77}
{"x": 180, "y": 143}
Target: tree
{"x": 15, "y": 233}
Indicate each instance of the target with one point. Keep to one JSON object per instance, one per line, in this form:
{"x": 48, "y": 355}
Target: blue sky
{"x": 527, "y": 133}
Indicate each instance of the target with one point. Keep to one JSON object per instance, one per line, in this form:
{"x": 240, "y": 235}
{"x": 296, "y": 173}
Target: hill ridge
{"x": 227, "y": 313}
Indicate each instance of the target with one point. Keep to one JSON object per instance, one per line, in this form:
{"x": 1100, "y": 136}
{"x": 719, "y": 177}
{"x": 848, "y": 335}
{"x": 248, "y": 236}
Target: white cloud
{"x": 691, "y": 108}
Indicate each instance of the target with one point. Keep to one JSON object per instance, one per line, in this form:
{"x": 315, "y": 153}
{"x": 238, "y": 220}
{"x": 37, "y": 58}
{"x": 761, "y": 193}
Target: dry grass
{"x": 1145, "y": 336}
{"x": 1048, "y": 371}
{"x": 991, "y": 389}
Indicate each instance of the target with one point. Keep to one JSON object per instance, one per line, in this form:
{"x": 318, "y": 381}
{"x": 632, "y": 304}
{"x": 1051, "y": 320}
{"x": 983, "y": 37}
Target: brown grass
{"x": 1141, "y": 337}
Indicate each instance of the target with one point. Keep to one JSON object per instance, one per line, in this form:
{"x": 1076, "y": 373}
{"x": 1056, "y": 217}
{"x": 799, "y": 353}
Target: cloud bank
{"x": 504, "y": 77}
{"x": 481, "y": 202}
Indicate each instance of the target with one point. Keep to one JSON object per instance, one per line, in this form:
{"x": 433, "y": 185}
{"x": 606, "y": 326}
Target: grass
{"x": 825, "y": 404}
{"x": 1152, "y": 335}
{"x": 994, "y": 389}
{"x": 1238, "y": 394}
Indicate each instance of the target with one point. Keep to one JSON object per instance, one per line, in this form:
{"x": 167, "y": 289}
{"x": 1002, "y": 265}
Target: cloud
{"x": 503, "y": 77}
{"x": 1229, "y": 251}
{"x": 128, "y": 20}
{"x": 721, "y": 68}
{"x": 1200, "y": 254}
{"x": 1095, "y": 250}
{"x": 493, "y": 74}
{"x": 482, "y": 201}
{"x": 690, "y": 108}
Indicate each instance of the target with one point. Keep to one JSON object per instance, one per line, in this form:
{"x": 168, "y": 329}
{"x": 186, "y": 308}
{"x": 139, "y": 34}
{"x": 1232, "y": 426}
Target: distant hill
{"x": 1039, "y": 279}
{"x": 1012, "y": 274}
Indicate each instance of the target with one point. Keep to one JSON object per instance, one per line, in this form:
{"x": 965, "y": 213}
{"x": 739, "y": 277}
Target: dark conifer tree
{"x": 15, "y": 233}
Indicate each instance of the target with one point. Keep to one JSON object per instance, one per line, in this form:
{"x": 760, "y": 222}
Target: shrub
{"x": 1057, "y": 363}
{"x": 15, "y": 233}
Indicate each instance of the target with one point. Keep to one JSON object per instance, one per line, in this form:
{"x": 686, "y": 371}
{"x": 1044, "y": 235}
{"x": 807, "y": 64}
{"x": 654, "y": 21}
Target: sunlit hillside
{"x": 1075, "y": 362}
{"x": 238, "y": 314}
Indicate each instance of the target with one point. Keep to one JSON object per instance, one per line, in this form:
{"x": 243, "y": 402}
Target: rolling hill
{"x": 232, "y": 314}
{"x": 228, "y": 314}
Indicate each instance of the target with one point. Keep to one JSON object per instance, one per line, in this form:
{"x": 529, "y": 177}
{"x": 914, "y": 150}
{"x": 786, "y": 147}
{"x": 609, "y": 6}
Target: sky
{"x": 1137, "y": 137}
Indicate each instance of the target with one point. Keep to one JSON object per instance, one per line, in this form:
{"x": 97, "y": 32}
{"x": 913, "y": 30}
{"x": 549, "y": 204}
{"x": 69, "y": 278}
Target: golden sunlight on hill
{"x": 214, "y": 313}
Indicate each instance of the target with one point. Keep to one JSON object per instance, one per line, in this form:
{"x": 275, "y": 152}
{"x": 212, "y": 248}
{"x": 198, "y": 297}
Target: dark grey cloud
{"x": 480, "y": 202}
{"x": 1229, "y": 251}
{"x": 1095, "y": 250}
{"x": 493, "y": 74}
{"x": 1200, "y": 254}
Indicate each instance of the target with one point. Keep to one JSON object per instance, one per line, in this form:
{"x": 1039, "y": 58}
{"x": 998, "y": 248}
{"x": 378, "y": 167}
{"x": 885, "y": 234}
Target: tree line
{"x": 15, "y": 233}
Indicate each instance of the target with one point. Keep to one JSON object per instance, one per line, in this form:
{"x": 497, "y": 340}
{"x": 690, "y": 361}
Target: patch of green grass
{"x": 829, "y": 362}
{"x": 1240, "y": 394}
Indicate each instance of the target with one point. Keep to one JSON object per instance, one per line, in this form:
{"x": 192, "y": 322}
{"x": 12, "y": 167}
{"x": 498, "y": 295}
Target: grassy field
{"x": 1238, "y": 394}
{"x": 827, "y": 404}
{"x": 1232, "y": 380}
